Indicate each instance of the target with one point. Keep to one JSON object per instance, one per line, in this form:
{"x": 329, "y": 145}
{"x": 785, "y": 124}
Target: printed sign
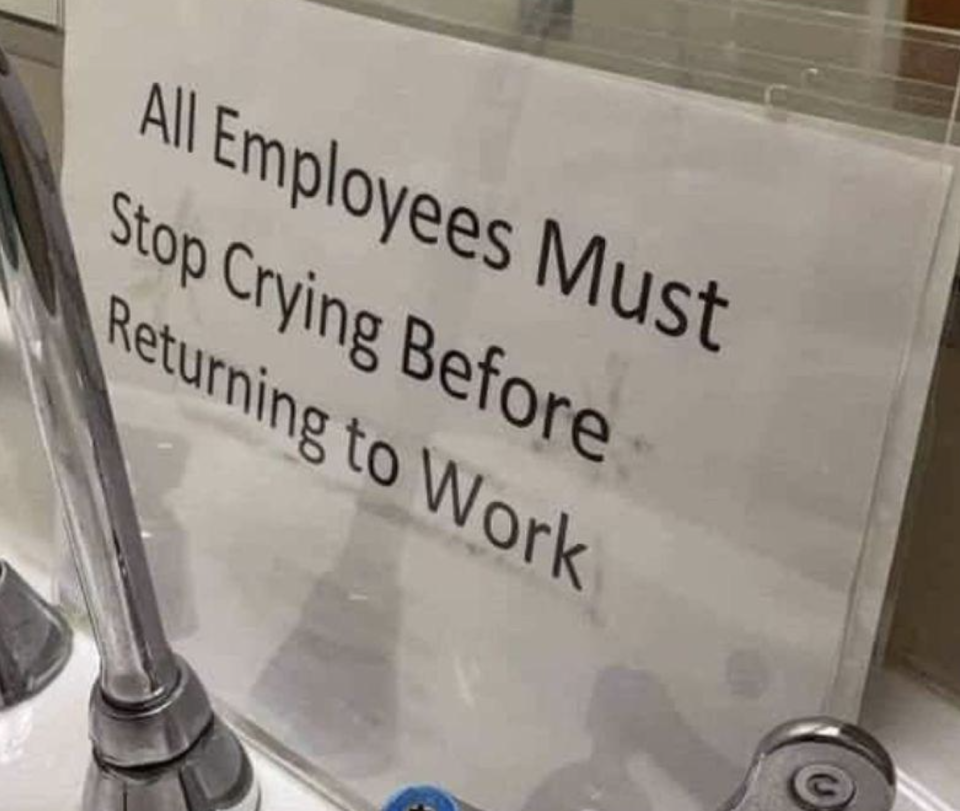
{"x": 494, "y": 420}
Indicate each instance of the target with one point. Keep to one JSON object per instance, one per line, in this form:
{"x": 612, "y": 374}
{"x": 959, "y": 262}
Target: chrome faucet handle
{"x": 817, "y": 764}
{"x": 811, "y": 764}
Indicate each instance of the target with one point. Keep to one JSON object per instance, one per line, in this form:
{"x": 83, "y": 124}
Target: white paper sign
{"x": 496, "y": 422}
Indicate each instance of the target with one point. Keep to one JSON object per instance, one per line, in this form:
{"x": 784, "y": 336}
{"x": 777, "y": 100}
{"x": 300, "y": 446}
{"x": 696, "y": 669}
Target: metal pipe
{"x": 157, "y": 744}
{"x": 56, "y": 340}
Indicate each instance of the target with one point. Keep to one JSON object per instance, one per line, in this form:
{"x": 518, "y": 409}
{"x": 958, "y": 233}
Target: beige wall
{"x": 46, "y": 12}
{"x": 37, "y": 55}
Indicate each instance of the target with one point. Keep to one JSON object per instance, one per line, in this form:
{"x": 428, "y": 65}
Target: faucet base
{"x": 152, "y": 733}
{"x": 214, "y": 775}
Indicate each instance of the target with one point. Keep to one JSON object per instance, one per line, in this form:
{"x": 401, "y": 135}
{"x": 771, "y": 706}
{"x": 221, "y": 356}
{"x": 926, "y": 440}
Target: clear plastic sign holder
{"x": 887, "y": 82}
{"x": 816, "y": 61}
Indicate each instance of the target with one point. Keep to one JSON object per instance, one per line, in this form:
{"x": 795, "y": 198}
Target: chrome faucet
{"x": 157, "y": 745}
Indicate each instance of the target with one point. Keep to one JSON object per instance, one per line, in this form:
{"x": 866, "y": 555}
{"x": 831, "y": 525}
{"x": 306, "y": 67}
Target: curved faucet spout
{"x": 157, "y": 743}
{"x": 52, "y": 324}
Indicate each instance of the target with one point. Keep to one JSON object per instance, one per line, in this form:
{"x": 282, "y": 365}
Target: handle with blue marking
{"x": 813, "y": 764}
